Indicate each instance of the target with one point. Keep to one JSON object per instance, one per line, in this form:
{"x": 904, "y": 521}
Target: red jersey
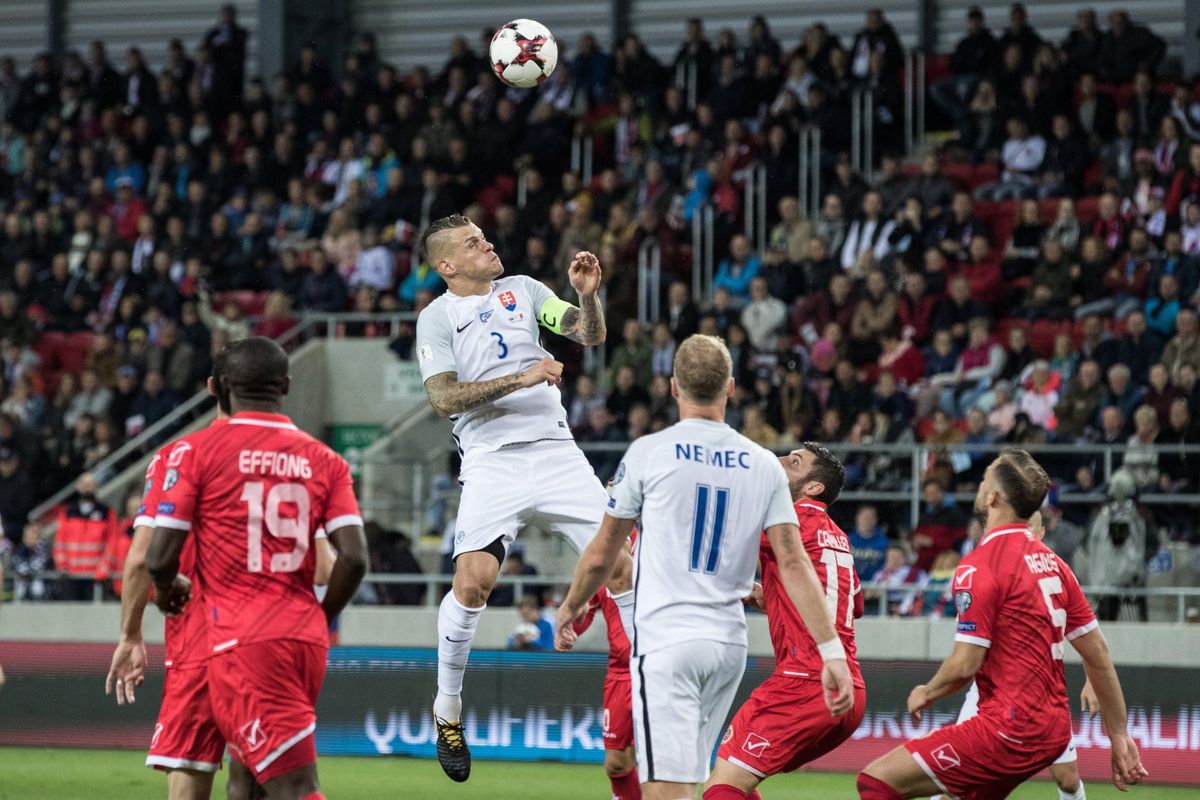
{"x": 829, "y": 550}
{"x": 618, "y": 642}
{"x": 252, "y": 493}
{"x": 1018, "y": 599}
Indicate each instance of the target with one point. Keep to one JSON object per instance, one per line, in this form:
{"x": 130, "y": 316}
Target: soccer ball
{"x": 523, "y": 53}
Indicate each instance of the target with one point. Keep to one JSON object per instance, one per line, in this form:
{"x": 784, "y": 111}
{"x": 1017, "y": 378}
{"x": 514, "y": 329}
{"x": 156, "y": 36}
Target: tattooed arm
{"x": 448, "y": 396}
{"x": 585, "y": 324}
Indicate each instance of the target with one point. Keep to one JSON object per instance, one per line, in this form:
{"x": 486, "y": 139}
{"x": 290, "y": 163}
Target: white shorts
{"x": 681, "y": 697}
{"x": 548, "y": 484}
{"x": 970, "y": 708}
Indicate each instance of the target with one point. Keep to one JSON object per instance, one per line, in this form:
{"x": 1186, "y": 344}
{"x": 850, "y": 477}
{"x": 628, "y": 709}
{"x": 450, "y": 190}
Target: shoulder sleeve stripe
{"x": 163, "y": 521}
{"x": 1083, "y": 630}
{"x": 341, "y": 522}
{"x": 976, "y": 640}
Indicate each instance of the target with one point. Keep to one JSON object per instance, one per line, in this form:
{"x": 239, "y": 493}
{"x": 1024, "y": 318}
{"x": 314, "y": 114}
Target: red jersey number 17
{"x": 258, "y": 512}
{"x": 833, "y": 561}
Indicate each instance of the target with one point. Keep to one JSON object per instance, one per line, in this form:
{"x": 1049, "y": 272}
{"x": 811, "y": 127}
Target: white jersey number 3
{"x": 280, "y": 527}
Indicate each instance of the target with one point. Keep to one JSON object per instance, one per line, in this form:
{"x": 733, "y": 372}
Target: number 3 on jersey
{"x": 278, "y": 526}
{"x": 500, "y": 343}
{"x": 708, "y": 530}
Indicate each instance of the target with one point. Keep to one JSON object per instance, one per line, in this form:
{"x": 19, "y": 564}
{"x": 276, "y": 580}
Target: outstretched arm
{"x": 1102, "y": 675}
{"x": 594, "y": 567}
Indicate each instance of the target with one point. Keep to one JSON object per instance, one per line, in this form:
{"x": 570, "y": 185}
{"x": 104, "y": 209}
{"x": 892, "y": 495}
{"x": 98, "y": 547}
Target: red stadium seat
{"x": 72, "y": 355}
{"x": 1087, "y": 209}
{"x": 959, "y": 174}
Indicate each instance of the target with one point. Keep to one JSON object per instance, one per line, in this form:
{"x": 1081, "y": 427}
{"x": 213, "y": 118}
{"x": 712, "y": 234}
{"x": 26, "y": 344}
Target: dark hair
{"x": 435, "y": 227}
{"x": 826, "y": 469}
{"x": 254, "y": 369}
{"x": 1022, "y": 480}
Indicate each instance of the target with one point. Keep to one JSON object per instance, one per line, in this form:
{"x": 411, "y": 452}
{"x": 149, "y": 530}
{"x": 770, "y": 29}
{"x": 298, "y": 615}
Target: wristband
{"x": 550, "y": 315}
{"x": 832, "y": 650}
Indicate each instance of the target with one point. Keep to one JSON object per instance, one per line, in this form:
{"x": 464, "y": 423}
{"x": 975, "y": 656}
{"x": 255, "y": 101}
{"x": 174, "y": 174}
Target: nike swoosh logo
{"x": 464, "y": 327}
{"x": 456, "y": 641}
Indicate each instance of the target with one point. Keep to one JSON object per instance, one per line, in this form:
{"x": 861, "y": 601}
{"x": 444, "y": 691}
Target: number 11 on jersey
{"x": 706, "y": 530}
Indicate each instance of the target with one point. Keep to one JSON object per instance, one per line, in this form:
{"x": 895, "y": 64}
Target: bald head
{"x": 703, "y": 369}
{"x": 251, "y": 372}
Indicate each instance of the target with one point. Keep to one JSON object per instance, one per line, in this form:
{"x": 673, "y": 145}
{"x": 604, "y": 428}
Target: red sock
{"x": 723, "y": 791}
{"x": 627, "y": 786}
{"x": 314, "y": 796}
{"x": 874, "y": 789}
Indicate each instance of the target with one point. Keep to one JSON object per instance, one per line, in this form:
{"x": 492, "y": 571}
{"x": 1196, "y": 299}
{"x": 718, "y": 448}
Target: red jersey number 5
{"x": 280, "y": 527}
{"x": 1058, "y": 616}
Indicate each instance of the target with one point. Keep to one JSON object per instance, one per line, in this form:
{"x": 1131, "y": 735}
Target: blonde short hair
{"x": 703, "y": 368}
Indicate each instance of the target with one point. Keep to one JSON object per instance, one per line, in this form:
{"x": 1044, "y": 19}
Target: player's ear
{"x": 211, "y": 385}
{"x": 729, "y": 388}
{"x": 814, "y": 489}
{"x": 287, "y": 384}
{"x": 674, "y": 389}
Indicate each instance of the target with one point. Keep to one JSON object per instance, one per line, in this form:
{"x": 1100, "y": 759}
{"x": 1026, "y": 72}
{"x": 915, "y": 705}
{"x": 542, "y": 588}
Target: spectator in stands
{"x": 514, "y": 566}
{"x": 151, "y": 404}
{"x": 1077, "y": 410}
{"x": 895, "y": 574}
{"x": 763, "y": 317}
{"x": 1120, "y": 391}
{"x": 17, "y": 494}
{"x": 877, "y": 36}
{"x": 534, "y": 631}
{"x": 85, "y": 525}
{"x": 1184, "y": 346}
{"x": 682, "y": 316}
{"x": 868, "y": 541}
{"x": 974, "y": 56}
{"x": 1141, "y": 459}
{"x": 1023, "y": 154}
{"x": 31, "y": 560}
{"x": 736, "y": 272}
{"x": 942, "y": 525}
{"x": 867, "y": 237}
{"x": 633, "y": 352}
{"x": 1128, "y": 47}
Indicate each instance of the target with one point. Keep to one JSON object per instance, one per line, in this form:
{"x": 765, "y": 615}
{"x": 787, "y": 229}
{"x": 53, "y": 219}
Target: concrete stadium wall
{"x": 1132, "y": 644}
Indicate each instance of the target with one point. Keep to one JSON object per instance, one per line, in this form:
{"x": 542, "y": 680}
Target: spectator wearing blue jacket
{"x": 421, "y": 277}
{"x": 736, "y": 272}
{"x": 1162, "y": 309}
{"x": 534, "y": 631}
{"x": 868, "y": 542}
{"x": 125, "y": 167}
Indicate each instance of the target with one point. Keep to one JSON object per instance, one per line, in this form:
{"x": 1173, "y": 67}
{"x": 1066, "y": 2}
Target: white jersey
{"x": 483, "y": 337}
{"x": 704, "y": 494}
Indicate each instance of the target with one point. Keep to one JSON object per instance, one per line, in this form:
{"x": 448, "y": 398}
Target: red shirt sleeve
{"x": 1080, "y": 618}
{"x": 975, "y": 598}
{"x": 150, "y": 492}
{"x": 180, "y": 484}
{"x": 342, "y": 508}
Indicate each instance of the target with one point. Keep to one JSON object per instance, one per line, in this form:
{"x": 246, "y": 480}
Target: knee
{"x": 472, "y": 594}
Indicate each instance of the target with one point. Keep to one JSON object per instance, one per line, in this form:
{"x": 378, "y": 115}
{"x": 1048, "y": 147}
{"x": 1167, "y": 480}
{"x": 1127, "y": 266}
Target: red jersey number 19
{"x": 833, "y": 560}
{"x": 1058, "y": 616}
{"x": 280, "y": 527}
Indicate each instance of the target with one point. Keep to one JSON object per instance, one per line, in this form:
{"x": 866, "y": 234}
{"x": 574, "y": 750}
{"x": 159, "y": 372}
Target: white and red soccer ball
{"x": 523, "y": 53}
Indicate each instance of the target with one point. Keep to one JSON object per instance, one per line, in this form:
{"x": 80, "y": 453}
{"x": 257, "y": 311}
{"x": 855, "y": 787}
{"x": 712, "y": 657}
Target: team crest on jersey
{"x": 177, "y": 454}
{"x": 755, "y": 744}
{"x": 946, "y": 757}
{"x": 170, "y": 479}
{"x": 964, "y": 577}
{"x": 253, "y": 735}
{"x": 508, "y": 300}
{"x": 484, "y": 316}
{"x": 728, "y": 735}
{"x": 962, "y": 601}
{"x": 458, "y": 537}
{"x": 620, "y": 474}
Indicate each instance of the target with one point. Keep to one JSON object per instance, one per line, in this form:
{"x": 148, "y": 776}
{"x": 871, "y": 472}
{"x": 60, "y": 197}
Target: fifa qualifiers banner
{"x": 541, "y": 706}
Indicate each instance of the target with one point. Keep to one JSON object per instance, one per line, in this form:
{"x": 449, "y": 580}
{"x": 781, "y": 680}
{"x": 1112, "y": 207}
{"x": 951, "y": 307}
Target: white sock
{"x": 456, "y": 631}
{"x": 1078, "y": 794}
{"x": 624, "y": 602}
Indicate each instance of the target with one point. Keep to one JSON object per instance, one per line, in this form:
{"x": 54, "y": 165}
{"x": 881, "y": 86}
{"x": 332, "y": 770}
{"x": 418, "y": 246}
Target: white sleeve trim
{"x": 321, "y": 534}
{"x": 343, "y": 521}
{"x": 1083, "y": 630}
{"x": 976, "y": 640}
{"x": 174, "y": 523}
{"x": 143, "y": 521}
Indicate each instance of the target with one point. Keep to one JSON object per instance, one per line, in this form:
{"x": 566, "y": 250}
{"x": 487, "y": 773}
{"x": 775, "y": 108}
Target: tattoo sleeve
{"x": 449, "y": 397}
{"x": 585, "y": 324}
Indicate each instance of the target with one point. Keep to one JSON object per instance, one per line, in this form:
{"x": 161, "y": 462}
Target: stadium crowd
{"x": 1033, "y": 279}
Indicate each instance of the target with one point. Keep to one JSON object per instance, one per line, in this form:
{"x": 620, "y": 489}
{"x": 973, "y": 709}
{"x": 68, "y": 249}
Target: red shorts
{"x": 264, "y": 698}
{"x": 784, "y": 724}
{"x": 972, "y": 762}
{"x": 618, "y": 711}
{"x": 186, "y": 735}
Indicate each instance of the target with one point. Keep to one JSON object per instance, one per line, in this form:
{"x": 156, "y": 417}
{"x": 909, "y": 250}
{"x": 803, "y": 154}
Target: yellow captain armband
{"x": 551, "y": 314}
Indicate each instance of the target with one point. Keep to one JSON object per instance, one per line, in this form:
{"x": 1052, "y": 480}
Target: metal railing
{"x": 308, "y": 326}
{"x": 862, "y": 133}
{"x": 906, "y": 464}
{"x": 914, "y": 102}
{"x": 687, "y": 79}
{"x": 754, "y": 207}
{"x": 882, "y": 599}
{"x": 581, "y": 157}
{"x": 702, "y": 253}
{"x": 522, "y": 189}
{"x": 810, "y": 172}
{"x": 649, "y": 281}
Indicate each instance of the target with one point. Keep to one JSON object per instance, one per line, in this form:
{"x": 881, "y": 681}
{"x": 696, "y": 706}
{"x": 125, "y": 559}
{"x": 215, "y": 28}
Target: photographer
{"x": 1115, "y": 550}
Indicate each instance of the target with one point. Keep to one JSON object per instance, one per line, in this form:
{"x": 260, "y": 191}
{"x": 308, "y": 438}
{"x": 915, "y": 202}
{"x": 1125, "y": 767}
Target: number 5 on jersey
{"x": 278, "y": 526}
